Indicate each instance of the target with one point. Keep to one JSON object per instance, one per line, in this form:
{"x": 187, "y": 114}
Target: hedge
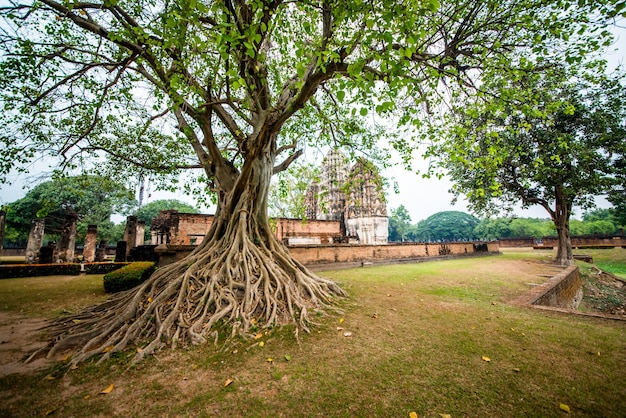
{"x": 128, "y": 277}
{"x": 103, "y": 267}
{"x": 32, "y": 270}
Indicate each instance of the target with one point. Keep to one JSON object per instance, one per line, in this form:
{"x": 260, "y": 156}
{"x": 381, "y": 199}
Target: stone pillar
{"x": 141, "y": 229}
{"x": 46, "y": 254}
{"x": 35, "y": 238}
{"x": 91, "y": 237}
{"x": 67, "y": 242}
{"x": 120, "y": 252}
{"x": 101, "y": 252}
{"x": 130, "y": 235}
{"x": 3, "y": 216}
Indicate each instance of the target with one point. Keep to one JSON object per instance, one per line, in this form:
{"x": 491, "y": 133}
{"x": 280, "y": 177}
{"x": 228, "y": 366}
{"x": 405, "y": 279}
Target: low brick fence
{"x": 563, "y": 290}
{"x": 350, "y": 255}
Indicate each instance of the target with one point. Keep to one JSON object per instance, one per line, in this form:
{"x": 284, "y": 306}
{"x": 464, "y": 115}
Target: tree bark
{"x": 560, "y": 217}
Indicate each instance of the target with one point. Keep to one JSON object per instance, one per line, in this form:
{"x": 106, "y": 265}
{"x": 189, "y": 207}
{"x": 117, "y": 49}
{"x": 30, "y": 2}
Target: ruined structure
{"x": 35, "y": 239}
{"x": 91, "y": 238}
{"x": 3, "y": 215}
{"x": 67, "y": 241}
{"x": 173, "y": 228}
{"x": 346, "y": 205}
{"x": 353, "y": 197}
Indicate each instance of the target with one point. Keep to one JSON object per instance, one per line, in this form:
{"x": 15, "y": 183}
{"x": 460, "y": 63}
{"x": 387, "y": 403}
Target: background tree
{"x": 556, "y": 150}
{"x": 288, "y": 192}
{"x": 400, "y": 227}
{"x": 91, "y": 199}
{"x": 152, "y": 209}
{"x": 235, "y": 89}
{"x": 498, "y": 228}
{"x": 447, "y": 226}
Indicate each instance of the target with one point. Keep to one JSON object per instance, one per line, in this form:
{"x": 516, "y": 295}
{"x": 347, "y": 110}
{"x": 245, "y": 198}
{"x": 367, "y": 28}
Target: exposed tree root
{"x": 243, "y": 284}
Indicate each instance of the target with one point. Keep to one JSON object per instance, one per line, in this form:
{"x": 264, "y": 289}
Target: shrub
{"x": 128, "y": 277}
{"x": 33, "y": 270}
{"x": 103, "y": 267}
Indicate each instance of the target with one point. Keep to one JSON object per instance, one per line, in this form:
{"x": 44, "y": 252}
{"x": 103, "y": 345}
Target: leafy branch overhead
{"x": 196, "y": 84}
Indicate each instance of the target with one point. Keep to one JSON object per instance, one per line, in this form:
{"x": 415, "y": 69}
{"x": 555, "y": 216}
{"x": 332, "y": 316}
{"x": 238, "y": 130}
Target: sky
{"x": 421, "y": 197}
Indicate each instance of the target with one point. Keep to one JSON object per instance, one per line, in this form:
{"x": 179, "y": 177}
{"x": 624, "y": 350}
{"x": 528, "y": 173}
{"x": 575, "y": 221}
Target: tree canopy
{"x": 561, "y": 147}
{"x": 237, "y": 90}
{"x": 447, "y": 226}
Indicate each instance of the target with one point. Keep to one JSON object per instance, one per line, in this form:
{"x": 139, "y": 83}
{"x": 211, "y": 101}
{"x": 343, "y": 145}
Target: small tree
{"x": 556, "y": 150}
{"x": 399, "y": 224}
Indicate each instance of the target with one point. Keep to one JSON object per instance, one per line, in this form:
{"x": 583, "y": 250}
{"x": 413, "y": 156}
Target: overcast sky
{"x": 421, "y": 197}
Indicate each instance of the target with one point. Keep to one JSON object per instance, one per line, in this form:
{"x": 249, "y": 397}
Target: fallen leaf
{"x": 107, "y": 349}
{"x": 106, "y": 390}
{"x": 375, "y": 316}
{"x": 287, "y": 357}
{"x": 49, "y": 377}
{"x": 235, "y": 351}
{"x": 259, "y": 335}
{"x": 195, "y": 366}
{"x": 50, "y": 412}
{"x": 139, "y": 349}
{"x": 341, "y": 320}
{"x": 485, "y": 358}
{"x": 253, "y": 321}
{"x": 149, "y": 300}
{"x": 564, "y": 408}
{"x": 66, "y": 358}
{"x": 86, "y": 397}
{"x": 516, "y": 369}
{"x": 228, "y": 382}
{"x": 445, "y": 415}
{"x": 261, "y": 344}
{"x": 412, "y": 414}
{"x": 339, "y": 328}
{"x": 73, "y": 367}
{"x": 76, "y": 321}
{"x": 347, "y": 334}
{"x": 270, "y": 360}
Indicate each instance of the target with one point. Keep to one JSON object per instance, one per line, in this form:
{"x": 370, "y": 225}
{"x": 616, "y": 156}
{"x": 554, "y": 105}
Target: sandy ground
{"x": 20, "y": 335}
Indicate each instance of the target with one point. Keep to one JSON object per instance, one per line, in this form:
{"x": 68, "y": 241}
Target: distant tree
{"x": 400, "y": 227}
{"x": 92, "y": 199}
{"x": 288, "y": 191}
{"x": 447, "y": 226}
{"x": 559, "y": 149}
{"x": 151, "y": 210}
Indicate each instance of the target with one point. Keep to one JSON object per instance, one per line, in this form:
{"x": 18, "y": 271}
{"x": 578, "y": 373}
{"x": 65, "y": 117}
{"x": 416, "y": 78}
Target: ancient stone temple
{"x": 354, "y": 197}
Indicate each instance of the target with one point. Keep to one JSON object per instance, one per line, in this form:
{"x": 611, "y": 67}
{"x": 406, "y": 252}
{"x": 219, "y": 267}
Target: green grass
{"x": 50, "y": 295}
{"x": 419, "y": 334}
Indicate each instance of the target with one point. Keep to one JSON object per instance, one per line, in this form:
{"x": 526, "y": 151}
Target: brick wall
{"x": 562, "y": 291}
{"x": 323, "y": 255}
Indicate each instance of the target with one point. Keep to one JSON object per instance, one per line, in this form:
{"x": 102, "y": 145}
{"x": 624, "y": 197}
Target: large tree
{"x": 235, "y": 89}
{"x": 447, "y": 226}
{"x": 560, "y": 148}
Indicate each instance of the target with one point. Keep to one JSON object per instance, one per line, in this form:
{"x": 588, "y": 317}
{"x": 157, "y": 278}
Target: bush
{"x": 103, "y": 267}
{"x": 33, "y": 270}
{"x": 128, "y": 277}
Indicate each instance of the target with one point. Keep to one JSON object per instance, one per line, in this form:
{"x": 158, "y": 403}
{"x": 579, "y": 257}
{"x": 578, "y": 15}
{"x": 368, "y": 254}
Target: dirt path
{"x": 20, "y": 335}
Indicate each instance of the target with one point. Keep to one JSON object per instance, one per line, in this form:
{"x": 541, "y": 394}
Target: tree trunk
{"x": 239, "y": 279}
{"x": 564, "y": 255}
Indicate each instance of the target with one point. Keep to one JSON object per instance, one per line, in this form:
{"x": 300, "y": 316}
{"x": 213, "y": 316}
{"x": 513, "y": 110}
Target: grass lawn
{"x": 432, "y": 338}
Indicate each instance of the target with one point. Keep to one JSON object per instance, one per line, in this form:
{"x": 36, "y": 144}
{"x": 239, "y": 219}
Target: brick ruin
{"x": 352, "y": 196}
